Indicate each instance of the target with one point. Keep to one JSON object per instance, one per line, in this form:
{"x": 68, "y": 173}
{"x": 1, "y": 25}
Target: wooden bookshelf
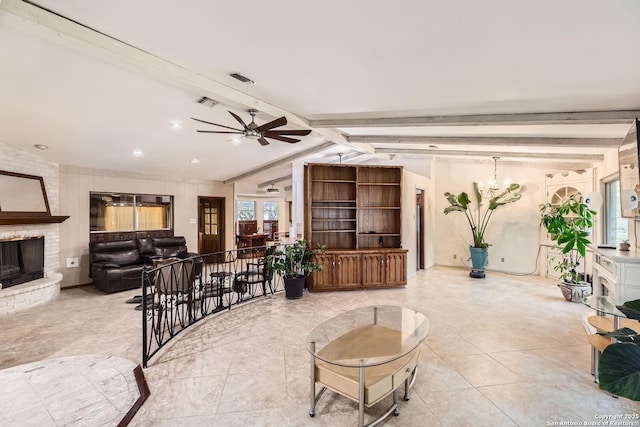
{"x": 355, "y": 210}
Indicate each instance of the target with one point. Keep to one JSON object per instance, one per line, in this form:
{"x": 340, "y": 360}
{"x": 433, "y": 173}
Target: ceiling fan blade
{"x": 237, "y": 117}
{"x": 219, "y": 131}
{"x": 272, "y": 124}
{"x": 215, "y": 124}
{"x": 263, "y": 141}
{"x": 282, "y": 138}
{"x": 289, "y": 132}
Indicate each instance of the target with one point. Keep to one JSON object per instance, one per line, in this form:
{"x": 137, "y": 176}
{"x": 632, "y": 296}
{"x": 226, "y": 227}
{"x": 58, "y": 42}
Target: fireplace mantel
{"x": 23, "y": 200}
{"x": 32, "y": 219}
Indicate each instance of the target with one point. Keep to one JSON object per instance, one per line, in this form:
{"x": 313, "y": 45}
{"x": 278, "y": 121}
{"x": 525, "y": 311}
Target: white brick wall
{"x": 20, "y": 161}
{"x": 39, "y": 291}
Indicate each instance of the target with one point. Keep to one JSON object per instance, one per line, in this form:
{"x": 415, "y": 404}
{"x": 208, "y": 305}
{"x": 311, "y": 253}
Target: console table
{"x": 616, "y": 274}
{"x": 366, "y": 354}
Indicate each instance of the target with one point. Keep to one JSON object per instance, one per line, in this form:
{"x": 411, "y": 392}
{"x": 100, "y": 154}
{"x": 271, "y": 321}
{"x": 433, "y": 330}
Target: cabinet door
{"x": 325, "y": 278}
{"x": 373, "y": 267}
{"x": 396, "y": 268}
{"x": 348, "y": 271}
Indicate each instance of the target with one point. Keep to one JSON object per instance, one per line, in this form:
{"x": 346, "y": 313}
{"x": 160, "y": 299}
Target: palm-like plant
{"x": 479, "y": 219}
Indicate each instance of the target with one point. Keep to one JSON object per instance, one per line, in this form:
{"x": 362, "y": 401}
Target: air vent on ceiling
{"x": 242, "y": 78}
{"x": 205, "y": 100}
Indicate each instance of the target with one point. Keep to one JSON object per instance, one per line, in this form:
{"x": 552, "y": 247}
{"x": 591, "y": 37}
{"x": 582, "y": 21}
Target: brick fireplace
{"x": 38, "y": 291}
{"x": 21, "y": 260}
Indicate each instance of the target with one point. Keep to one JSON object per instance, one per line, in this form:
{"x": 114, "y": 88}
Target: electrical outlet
{"x": 455, "y": 256}
{"x": 72, "y": 262}
{"x": 501, "y": 259}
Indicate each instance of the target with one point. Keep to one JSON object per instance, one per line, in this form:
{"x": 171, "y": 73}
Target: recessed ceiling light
{"x": 137, "y": 153}
{"x": 175, "y": 125}
{"x": 41, "y": 146}
{"x": 195, "y": 161}
{"x": 236, "y": 140}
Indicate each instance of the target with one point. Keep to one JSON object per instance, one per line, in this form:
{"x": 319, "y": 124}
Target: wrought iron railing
{"x": 178, "y": 293}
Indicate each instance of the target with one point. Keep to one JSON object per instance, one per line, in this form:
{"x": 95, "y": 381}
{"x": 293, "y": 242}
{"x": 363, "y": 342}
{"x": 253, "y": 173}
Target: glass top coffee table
{"x": 366, "y": 354}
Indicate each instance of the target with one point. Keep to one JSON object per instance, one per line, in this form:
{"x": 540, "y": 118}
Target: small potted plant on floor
{"x": 569, "y": 225}
{"x": 294, "y": 263}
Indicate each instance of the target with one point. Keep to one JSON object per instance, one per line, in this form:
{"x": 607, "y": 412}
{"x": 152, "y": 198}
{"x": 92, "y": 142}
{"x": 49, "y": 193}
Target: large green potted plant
{"x": 478, "y": 217}
{"x": 294, "y": 263}
{"x": 569, "y": 225}
{"x": 619, "y": 366}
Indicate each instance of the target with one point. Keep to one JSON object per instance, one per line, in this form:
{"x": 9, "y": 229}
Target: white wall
{"x": 76, "y": 183}
{"x": 513, "y": 231}
{"x": 410, "y": 182}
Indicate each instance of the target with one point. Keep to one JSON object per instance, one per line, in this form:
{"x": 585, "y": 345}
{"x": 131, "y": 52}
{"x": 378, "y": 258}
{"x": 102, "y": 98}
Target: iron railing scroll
{"x": 177, "y": 293}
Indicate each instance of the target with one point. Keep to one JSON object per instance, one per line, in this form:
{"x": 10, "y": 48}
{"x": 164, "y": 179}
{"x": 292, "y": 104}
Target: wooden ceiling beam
{"x": 551, "y": 156}
{"x": 588, "y": 117}
{"x": 484, "y": 140}
{"x": 284, "y": 160}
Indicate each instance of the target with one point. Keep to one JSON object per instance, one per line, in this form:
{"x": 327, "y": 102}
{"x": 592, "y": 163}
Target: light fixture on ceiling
{"x": 492, "y": 184}
{"x": 137, "y": 153}
{"x": 41, "y": 146}
{"x": 273, "y": 190}
{"x": 175, "y": 125}
{"x": 195, "y": 161}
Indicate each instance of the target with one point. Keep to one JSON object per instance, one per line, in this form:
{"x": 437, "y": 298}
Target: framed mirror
{"x": 23, "y": 200}
{"x": 22, "y": 194}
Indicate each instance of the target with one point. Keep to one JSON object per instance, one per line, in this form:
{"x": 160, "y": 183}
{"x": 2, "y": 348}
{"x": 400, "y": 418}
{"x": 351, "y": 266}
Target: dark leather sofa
{"x": 118, "y": 265}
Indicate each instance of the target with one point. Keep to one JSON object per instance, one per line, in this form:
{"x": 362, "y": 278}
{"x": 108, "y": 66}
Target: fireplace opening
{"x": 21, "y": 261}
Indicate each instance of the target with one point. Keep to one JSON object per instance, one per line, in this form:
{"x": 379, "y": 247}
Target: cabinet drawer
{"x": 403, "y": 373}
{"x": 607, "y": 264}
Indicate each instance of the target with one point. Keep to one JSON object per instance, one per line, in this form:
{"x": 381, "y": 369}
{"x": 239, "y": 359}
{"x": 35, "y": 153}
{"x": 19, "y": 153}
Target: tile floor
{"x": 503, "y": 351}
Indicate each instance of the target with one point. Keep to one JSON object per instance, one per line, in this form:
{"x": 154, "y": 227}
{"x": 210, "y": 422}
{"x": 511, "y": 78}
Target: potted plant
{"x": 294, "y": 263}
{"x": 569, "y": 225}
{"x": 619, "y": 366}
{"x": 478, "y": 218}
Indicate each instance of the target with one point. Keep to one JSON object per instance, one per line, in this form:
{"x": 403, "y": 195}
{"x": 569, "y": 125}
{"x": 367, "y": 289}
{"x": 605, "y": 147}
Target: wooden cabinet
{"x": 355, "y": 211}
{"x": 384, "y": 269}
{"x": 339, "y": 271}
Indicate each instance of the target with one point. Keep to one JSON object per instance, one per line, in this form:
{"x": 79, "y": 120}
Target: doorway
{"x": 420, "y": 229}
{"x": 210, "y": 225}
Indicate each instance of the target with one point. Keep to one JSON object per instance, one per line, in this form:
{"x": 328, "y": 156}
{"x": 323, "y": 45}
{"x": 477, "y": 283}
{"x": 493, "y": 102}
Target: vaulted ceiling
{"x": 545, "y": 81}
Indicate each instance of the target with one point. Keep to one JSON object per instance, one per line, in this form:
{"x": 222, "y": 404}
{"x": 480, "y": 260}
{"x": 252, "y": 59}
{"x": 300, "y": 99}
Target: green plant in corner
{"x": 478, "y": 218}
{"x": 569, "y": 225}
{"x": 294, "y": 260}
{"x": 619, "y": 366}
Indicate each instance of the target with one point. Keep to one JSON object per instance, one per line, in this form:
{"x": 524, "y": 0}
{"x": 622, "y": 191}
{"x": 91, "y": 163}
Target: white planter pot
{"x": 575, "y": 292}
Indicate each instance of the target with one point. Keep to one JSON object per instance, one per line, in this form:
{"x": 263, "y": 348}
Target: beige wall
{"x": 76, "y": 183}
{"x": 513, "y": 231}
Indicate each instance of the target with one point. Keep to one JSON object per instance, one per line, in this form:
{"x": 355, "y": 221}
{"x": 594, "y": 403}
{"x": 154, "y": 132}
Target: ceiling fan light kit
{"x": 259, "y": 133}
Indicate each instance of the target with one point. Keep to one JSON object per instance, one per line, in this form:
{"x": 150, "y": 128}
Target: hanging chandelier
{"x": 493, "y": 189}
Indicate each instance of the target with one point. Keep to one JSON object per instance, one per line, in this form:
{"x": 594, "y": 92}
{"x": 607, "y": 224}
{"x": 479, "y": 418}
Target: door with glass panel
{"x": 211, "y": 225}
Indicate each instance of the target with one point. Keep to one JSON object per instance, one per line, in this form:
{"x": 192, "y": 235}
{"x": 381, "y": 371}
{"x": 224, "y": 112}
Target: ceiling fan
{"x": 253, "y": 131}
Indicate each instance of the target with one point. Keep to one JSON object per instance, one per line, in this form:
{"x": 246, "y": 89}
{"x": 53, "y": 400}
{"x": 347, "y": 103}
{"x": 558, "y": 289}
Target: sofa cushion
{"x": 145, "y": 246}
{"x": 170, "y": 247}
{"x": 121, "y": 252}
